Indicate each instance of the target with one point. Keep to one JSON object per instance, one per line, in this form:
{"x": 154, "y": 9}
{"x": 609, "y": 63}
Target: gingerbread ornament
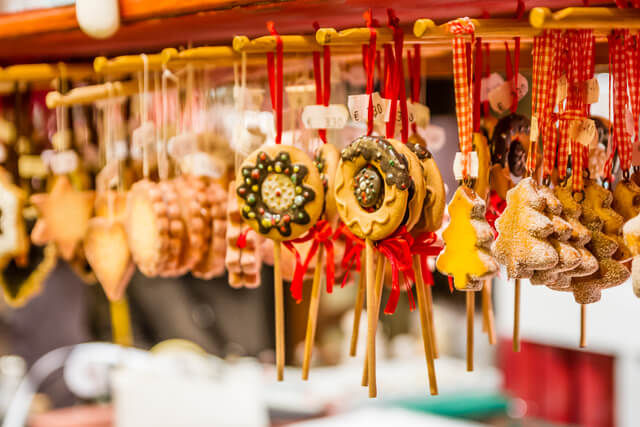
{"x": 435, "y": 200}
{"x": 467, "y": 253}
{"x": 326, "y": 161}
{"x": 481, "y": 182}
{"x": 212, "y": 263}
{"x": 626, "y": 199}
{"x": 523, "y": 231}
{"x": 416, "y": 171}
{"x": 66, "y": 213}
{"x": 510, "y": 142}
{"x": 631, "y": 231}
{"x": 14, "y": 241}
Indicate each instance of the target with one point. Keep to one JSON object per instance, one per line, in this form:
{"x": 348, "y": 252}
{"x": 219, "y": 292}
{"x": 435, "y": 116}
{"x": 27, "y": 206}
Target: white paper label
{"x": 253, "y": 97}
{"x": 501, "y": 98}
{"x": 591, "y": 91}
{"x": 533, "y": 134}
{"x": 472, "y": 166}
{"x": 488, "y": 84}
{"x": 64, "y": 162}
{"x": 635, "y": 153}
{"x": 629, "y": 124}
{"x": 335, "y": 116}
{"x": 359, "y": 108}
{"x": 435, "y": 137}
{"x": 419, "y": 114}
{"x": 300, "y": 96}
{"x": 562, "y": 88}
{"x": 583, "y": 131}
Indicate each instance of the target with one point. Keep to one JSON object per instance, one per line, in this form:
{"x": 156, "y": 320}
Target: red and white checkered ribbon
{"x": 564, "y": 147}
{"x": 461, "y": 80}
{"x": 621, "y": 141}
{"x": 633, "y": 78}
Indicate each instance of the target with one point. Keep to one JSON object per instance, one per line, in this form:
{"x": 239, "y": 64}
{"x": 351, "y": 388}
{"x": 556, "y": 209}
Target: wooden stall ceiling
{"x": 150, "y": 25}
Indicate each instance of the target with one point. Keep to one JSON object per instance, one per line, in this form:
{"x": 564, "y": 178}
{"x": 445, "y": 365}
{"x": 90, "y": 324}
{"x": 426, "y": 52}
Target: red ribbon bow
{"x": 321, "y": 234}
{"x": 397, "y": 249}
{"x": 495, "y": 208}
{"x": 424, "y": 246}
{"x": 352, "y": 250}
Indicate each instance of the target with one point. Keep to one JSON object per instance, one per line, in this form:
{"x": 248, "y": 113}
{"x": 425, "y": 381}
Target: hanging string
{"x": 459, "y": 27}
{"x": 276, "y": 79}
{"x": 322, "y": 79}
{"x": 401, "y": 95}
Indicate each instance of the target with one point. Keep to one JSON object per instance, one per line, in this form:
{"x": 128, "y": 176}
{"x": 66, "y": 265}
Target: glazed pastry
{"x": 417, "y": 196}
{"x": 467, "y": 256}
{"x": 626, "y": 199}
{"x": 510, "y": 142}
{"x": 280, "y": 193}
{"x": 65, "y": 213}
{"x": 523, "y": 244}
{"x": 147, "y": 226}
{"x": 326, "y": 161}
{"x": 435, "y": 199}
{"x": 372, "y": 187}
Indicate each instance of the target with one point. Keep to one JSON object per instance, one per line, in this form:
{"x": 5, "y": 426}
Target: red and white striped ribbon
{"x": 461, "y": 80}
{"x": 564, "y": 146}
{"x": 633, "y": 78}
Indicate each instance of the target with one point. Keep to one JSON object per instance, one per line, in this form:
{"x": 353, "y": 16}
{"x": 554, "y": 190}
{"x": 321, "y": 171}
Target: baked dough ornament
{"x": 326, "y": 161}
{"x": 468, "y": 237}
{"x": 631, "y": 231}
{"x": 626, "y": 199}
{"x": 66, "y": 213}
{"x": 435, "y": 201}
{"x": 481, "y": 182}
{"x": 510, "y": 143}
{"x": 14, "y": 241}
{"x": 523, "y": 229}
{"x": 242, "y": 258}
{"x": 212, "y": 263}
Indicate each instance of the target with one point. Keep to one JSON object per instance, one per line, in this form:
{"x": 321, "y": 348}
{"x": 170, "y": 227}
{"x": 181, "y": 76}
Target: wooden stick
{"x": 279, "y": 308}
{"x": 121, "y": 322}
{"x": 516, "y": 317}
{"x": 471, "y": 302}
{"x": 312, "y": 317}
{"x": 434, "y": 340}
{"x": 583, "y": 326}
{"x": 357, "y": 311}
{"x": 485, "y": 319}
{"x": 486, "y": 300}
{"x": 380, "y": 266}
{"x": 425, "y": 326}
{"x": 371, "y": 317}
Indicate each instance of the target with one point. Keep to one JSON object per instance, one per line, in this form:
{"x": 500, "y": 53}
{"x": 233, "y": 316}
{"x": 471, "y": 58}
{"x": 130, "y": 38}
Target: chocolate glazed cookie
{"x": 510, "y": 143}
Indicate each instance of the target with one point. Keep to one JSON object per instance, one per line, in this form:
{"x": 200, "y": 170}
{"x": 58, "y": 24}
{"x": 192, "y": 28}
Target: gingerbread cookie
{"x": 372, "y": 187}
{"x": 212, "y": 264}
{"x": 435, "y": 199}
{"x": 631, "y": 231}
{"x": 280, "y": 193}
{"x": 326, "y": 160}
{"x": 500, "y": 180}
{"x": 523, "y": 232}
{"x": 510, "y": 142}
{"x": 626, "y": 199}
{"x": 147, "y": 226}
{"x": 467, "y": 256}
{"x": 481, "y": 183}
{"x": 416, "y": 171}
{"x": 14, "y": 241}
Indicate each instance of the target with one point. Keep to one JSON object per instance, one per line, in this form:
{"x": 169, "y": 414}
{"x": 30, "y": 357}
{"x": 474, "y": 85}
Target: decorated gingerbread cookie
{"x": 467, "y": 256}
{"x": 481, "y": 183}
{"x": 372, "y": 187}
{"x": 416, "y": 171}
{"x": 326, "y": 161}
{"x": 626, "y": 199}
{"x": 523, "y": 244}
{"x": 435, "y": 200}
{"x": 280, "y": 192}
{"x": 510, "y": 142}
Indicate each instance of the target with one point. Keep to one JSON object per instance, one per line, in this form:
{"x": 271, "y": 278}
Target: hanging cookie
{"x": 631, "y": 231}
{"x": 326, "y": 161}
{"x": 418, "y": 193}
{"x": 372, "y": 187}
{"x": 468, "y": 237}
{"x": 510, "y": 142}
{"x": 481, "y": 182}
{"x": 280, "y": 193}
{"x": 212, "y": 263}
{"x": 147, "y": 226}
{"x": 435, "y": 200}
{"x": 523, "y": 231}
{"x": 14, "y": 241}
{"x": 626, "y": 199}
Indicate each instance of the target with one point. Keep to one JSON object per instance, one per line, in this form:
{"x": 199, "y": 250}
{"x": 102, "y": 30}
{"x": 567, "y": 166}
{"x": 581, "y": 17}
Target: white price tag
{"x": 583, "y": 131}
{"x": 435, "y": 137}
{"x": 64, "y": 162}
{"x": 562, "y": 89}
{"x": 419, "y": 114}
{"x": 253, "y": 97}
{"x": 534, "y": 133}
{"x": 488, "y": 84}
{"x": 334, "y": 116}
{"x": 472, "y": 167}
{"x": 635, "y": 153}
{"x": 591, "y": 91}
{"x": 359, "y": 107}
{"x": 299, "y": 96}
{"x": 630, "y": 125}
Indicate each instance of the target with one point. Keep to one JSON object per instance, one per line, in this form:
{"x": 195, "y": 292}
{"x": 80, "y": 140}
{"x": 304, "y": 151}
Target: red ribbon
{"x": 275, "y": 80}
{"x": 401, "y": 91}
{"x": 495, "y": 208}
{"x": 477, "y": 85}
{"x": 352, "y": 251}
{"x": 423, "y": 245}
{"x": 241, "y": 242}
{"x": 321, "y": 234}
{"x": 397, "y": 249}
{"x": 323, "y": 82}
{"x": 369, "y": 61}
{"x": 413, "y": 64}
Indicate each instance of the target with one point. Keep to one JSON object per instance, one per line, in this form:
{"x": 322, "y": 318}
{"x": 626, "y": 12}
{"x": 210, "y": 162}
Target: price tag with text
{"x": 334, "y": 116}
{"x": 591, "y": 91}
{"x": 534, "y": 133}
{"x": 359, "y": 106}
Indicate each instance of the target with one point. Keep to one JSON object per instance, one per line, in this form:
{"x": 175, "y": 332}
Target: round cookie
{"x": 147, "y": 227}
{"x": 435, "y": 200}
{"x": 326, "y": 161}
{"x": 510, "y": 142}
{"x": 280, "y": 192}
{"x": 416, "y": 171}
{"x": 372, "y": 187}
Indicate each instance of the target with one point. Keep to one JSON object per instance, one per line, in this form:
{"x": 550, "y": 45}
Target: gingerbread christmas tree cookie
{"x": 523, "y": 244}
{"x": 467, "y": 256}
